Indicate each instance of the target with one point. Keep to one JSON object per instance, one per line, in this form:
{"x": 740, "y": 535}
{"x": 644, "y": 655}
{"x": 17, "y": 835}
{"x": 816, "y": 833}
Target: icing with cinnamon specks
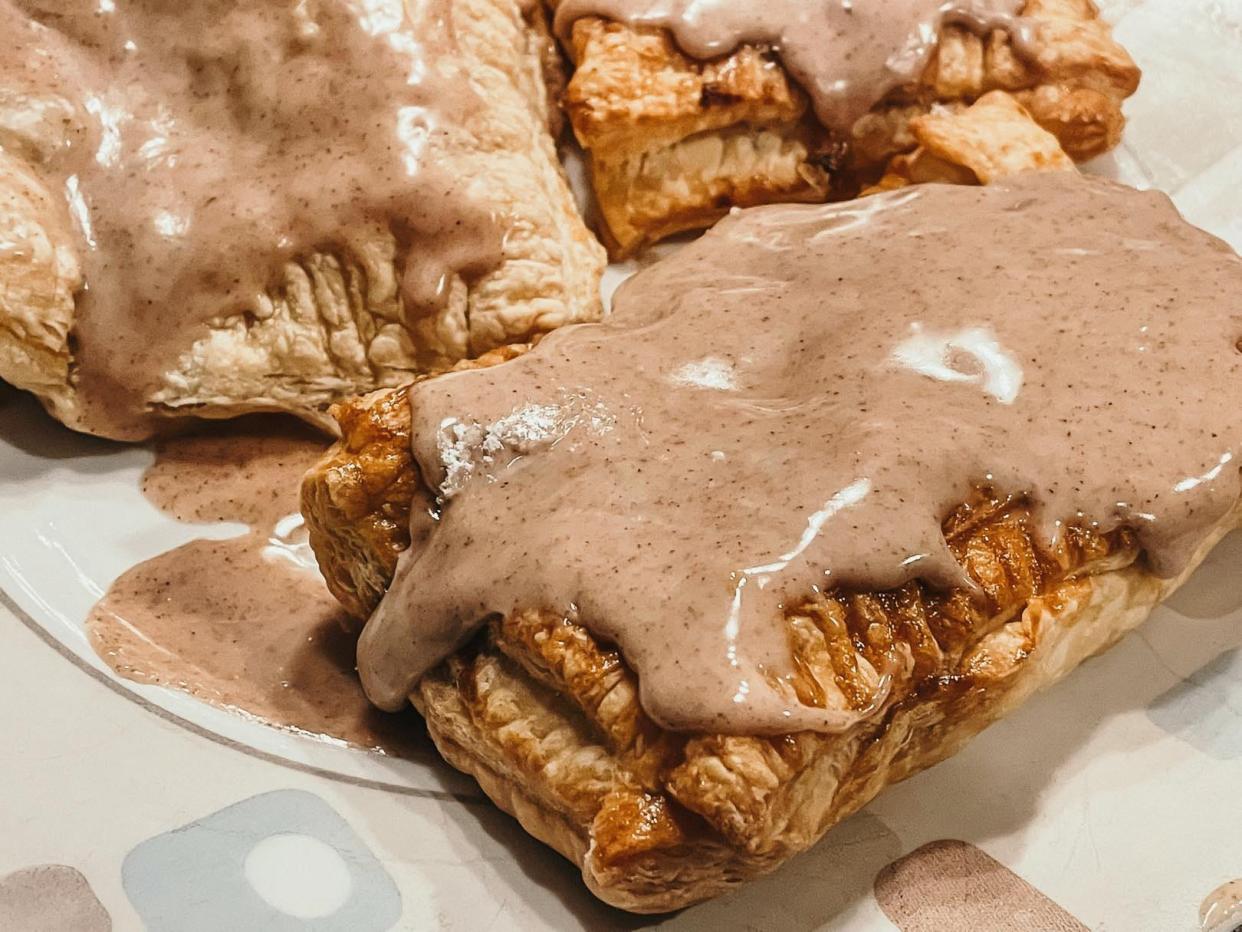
{"x": 795, "y": 402}
{"x": 212, "y": 141}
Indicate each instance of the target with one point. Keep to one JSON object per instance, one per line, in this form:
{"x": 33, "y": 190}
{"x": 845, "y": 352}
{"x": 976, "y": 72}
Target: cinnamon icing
{"x": 213, "y": 141}
{"x": 846, "y": 54}
{"x": 1221, "y": 910}
{"x": 794, "y": 402}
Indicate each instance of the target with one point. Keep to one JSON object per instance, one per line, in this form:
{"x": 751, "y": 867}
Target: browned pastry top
{"x": 793, "y": 404}
{"x": 212, "y": 141}
{"x": 675, "y": 140}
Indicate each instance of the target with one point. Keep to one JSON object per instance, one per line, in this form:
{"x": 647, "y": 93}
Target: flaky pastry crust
{"x": 333, "y": 324}
{"x": 978, "y": 144}
{"x": 547, "y": 718}
{"x": 674, "y": 142}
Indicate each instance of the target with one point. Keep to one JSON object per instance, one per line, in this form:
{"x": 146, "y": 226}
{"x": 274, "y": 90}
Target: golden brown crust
{"x": 364, "y": 490}
{"x": 39, "y": 277}
{"x": 549, "y": 722}
{"x": 674, "y": 142}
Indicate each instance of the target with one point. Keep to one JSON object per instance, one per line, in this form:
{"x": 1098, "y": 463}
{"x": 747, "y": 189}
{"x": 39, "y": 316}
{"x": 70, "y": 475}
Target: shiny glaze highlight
{"x": 243, "y": 622}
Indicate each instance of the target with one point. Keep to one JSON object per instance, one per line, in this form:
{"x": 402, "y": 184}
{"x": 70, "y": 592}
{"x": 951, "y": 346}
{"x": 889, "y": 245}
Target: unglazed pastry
{"x": 833, "y": 489}
{"x": 220, "y": 207}
{"x": 679, "y": 126}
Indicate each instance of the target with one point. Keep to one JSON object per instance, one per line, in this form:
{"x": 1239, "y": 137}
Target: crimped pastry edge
{"x": 1103, "y": 609}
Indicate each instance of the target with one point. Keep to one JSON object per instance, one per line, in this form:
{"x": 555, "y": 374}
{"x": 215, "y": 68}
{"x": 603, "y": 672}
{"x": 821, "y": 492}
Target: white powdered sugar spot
{"x": 470, "y": 448}
{"x": 709, "y": 372}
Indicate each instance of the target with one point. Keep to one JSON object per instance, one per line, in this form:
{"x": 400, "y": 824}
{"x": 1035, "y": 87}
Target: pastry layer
{"x": 674, "y": 142}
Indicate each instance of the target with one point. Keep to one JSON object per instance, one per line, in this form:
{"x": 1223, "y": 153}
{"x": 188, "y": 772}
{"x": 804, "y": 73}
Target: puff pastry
{"x": 978, "y": 144}
{"x": 673, "y": 142}
{"x": 771, "y": 392}
{"x": 332, "y": 324}
{"x": 548, "y": 720}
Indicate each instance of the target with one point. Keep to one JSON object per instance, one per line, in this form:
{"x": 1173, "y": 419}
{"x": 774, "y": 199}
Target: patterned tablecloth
{"x": 1113, "y": 802}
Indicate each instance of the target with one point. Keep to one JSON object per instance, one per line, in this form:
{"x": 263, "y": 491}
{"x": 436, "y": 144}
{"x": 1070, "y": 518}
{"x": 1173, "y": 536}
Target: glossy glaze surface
{"x": 846, "y": 54}
{"x": 795, "y": 402}
{"x": 207, "y": 143}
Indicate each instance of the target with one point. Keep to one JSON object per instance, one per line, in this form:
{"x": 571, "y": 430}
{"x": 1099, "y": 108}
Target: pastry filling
{"x": 205, "y": 144}
{"x": 795, "y": 402}
{"x": 846, "y": 54}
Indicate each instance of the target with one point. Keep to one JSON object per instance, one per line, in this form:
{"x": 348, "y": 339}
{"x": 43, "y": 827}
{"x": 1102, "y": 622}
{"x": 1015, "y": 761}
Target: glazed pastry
{"x": 230, "y": 207}
{"x": 833, "y": 489}
{"x": 673, "y": 140}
